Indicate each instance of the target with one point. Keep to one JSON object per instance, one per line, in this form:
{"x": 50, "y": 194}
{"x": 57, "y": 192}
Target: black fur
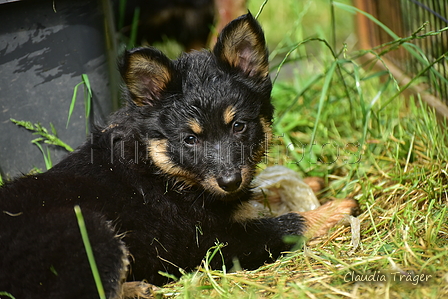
{"x": 166, "y": 177}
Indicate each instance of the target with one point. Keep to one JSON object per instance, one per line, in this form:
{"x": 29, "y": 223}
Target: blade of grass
{"x": 261, "y": 8}
{"x": 295, "y": 47}
{"x": 323, "y": 96}
{"x": 121, "y": 14}
{"x": 87, "y": 99}
{"x": 208, "y": 271}
{"x": 38, "y": 129}
{"x": 89, "y": 251}
{"x": 134, "y": 29}
{"x": 47, "y": 157}
{"x": 309, "y": 84}
{"x": 85, "y": 80}
{"x": 88, "y": 95}
{"x": 354, "y": 10}
{"x": 7, "y": 295}
{"x": 72, "y": 103}
{"x": 367, "y": 111}
{"x": 420, "y": 74}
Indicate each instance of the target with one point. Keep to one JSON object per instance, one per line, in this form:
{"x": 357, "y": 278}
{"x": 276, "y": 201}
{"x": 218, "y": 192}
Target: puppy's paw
{"x": 321, "y": 220}
{"x": 138, "y": 290}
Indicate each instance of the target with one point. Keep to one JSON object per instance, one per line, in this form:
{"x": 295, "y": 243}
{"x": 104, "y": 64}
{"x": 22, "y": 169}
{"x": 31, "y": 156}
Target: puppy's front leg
{"x": 256, "y": 241}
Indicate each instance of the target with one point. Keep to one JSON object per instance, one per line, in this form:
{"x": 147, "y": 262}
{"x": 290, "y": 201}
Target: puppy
{"x": 163, "y": 182}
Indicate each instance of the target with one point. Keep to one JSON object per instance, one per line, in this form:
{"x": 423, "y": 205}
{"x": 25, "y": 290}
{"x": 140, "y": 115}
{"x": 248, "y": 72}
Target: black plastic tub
{"x": 45, "y": 47}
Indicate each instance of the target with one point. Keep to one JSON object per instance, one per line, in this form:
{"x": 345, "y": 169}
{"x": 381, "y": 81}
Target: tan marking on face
{"x": 267, "y": 130}
{"x": 322, "y": 219}
{"x": 247, "y": 176}
{"x": 261, "y": 149}
{"x": 211, "y": 185}
{"x": 158, "y": 153}
{"x": 195, "y": 126}
{"x": 229, "y": 114}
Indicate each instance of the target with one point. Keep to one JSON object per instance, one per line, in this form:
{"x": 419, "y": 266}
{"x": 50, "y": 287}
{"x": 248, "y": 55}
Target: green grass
{"x": 7, "y": 295}
{"x": 46, "y": 137}
{"x": 87, "y": 100}
{"x": 51, "y": 138}
{"x": 89, "y": 251}
{"x": 355, "y": 129}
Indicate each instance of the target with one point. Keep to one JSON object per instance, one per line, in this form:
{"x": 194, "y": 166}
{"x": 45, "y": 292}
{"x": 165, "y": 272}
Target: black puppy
{"x": 162, "y": 183}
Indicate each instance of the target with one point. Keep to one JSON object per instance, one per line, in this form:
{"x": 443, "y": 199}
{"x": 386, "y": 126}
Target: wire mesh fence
{"x": 408, "y": 18}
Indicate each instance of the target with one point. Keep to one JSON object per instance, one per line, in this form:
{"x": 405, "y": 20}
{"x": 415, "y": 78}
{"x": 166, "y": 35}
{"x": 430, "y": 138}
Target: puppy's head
{"x": 205, "y": 116}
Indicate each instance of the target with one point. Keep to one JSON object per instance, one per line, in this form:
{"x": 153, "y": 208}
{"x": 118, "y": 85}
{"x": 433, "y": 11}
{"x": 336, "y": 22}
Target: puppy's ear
{"x": 241, "y": 45}
{"x": 146, "y": 73}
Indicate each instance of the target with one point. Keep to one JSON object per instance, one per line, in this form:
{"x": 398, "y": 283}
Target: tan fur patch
{"x": 138, "y": 289}
{"x": 322, "y": 219}
{"x": 212, "y": 186}
{"x": 245, "y": 212}
{"x": 195, "y": 126}
{"x": 146, "y": 78}
{"x": 261, "y": 150}
{"x": 111, "y": 126}
{"x": 246, "y": 175}
{"x": 158, "y": 152}
{"x": 267, "y": 130}
{"x": 229, "y": 114}
{"x": 253, "y": 63}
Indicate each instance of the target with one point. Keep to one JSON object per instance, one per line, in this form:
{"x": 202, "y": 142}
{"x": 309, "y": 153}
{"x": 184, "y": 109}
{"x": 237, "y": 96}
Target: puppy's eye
{"x": 191, "y": 140}
{"x": 239, "y": 127}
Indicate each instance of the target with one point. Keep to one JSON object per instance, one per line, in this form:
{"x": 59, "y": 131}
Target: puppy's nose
{"x": 230, "y": 182}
